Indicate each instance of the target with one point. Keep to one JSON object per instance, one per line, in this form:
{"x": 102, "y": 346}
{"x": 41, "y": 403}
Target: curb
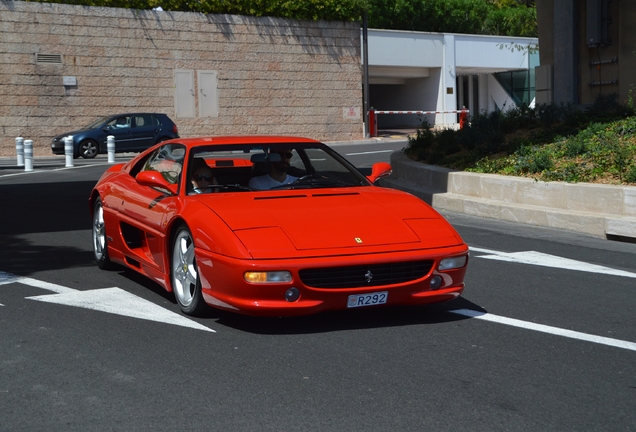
{"x": 598, "y": 210}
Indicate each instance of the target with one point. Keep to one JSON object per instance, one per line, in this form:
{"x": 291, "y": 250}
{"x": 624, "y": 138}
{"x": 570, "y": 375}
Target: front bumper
{"x": 224, "y": 287}
{"x": 57, "y": 147}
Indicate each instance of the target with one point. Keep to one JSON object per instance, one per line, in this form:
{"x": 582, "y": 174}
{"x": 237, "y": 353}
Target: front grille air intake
{"x": 360, "y": 276}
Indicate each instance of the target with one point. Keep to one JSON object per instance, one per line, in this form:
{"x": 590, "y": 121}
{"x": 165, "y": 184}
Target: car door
{"x": 147, "y": 210}
{"x": 121, "y": 128}
{"x": 145, "y": 130}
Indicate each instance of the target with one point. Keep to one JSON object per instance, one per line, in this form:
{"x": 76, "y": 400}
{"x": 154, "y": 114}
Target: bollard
{"x": 463, "y": 118}
{"x": 28, "y": 155}
{"x": 110, "y": 147}
{"x": 19, "y": 149}
{"x": 373, "y": 125}
{"x": 68, "y": 150}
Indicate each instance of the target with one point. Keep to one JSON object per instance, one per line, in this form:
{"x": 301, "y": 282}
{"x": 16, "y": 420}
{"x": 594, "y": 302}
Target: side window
{"x": 167, "y": 160}
{"x": 142, "y": 120}
{"x": 120, "y": 122}
{"x": 154, "y": 121}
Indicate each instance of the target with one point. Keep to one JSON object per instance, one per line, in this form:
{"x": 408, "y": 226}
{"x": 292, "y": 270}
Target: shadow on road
{"x": 356, "y": 319}
{"x": 33, "y": 219}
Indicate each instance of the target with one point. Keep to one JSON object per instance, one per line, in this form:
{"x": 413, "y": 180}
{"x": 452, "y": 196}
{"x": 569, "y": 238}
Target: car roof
{"x": 134, "y": 113}
{"x": 245, "y": 139}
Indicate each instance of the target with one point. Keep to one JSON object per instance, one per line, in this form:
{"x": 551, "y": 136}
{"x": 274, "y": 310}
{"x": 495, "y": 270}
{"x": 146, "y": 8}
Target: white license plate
{"x": 370, "y": 299}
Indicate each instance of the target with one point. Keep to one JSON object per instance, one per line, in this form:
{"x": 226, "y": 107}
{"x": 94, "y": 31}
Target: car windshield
{"x": 260, "y": 167}
{"x": 96, "y": 123}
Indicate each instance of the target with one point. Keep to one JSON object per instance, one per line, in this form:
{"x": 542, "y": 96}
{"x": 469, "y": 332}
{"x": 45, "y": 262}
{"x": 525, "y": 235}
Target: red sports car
{"x": 272, "y": 225}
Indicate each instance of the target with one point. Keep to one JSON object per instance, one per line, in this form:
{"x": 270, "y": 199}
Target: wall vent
{"x": 48, "y": 58}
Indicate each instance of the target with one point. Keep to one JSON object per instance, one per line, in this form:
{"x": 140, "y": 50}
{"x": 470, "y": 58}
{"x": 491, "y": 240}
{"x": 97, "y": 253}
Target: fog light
{"x": 436, "y": 282}
{"x": 292, "y": 294}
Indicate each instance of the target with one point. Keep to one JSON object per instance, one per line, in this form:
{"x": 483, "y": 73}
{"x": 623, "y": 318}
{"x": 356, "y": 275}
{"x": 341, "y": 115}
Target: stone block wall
{"x": 275, "y": 76}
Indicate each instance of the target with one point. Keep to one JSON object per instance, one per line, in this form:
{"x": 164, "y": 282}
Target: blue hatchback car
{"x": 133, "y": 133}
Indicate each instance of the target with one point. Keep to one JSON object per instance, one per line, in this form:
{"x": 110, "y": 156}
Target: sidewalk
{"x": 599, "y": 210}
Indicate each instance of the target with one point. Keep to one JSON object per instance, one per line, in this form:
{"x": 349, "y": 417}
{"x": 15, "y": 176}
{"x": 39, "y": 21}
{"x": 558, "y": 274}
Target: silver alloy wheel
{"x": 88, "y": 149}
{"x": 99, "y": 233}
{"x": 184, "y": 269}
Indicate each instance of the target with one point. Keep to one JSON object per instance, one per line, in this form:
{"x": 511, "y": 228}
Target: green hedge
{"x": 508, "y": 18}
{"x": 550, "y": 142}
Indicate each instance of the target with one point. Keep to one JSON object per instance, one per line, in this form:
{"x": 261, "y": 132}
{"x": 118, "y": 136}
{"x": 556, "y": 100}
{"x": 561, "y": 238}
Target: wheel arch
{"x": 171, "y": 231}
{"x": 91, "y": 201}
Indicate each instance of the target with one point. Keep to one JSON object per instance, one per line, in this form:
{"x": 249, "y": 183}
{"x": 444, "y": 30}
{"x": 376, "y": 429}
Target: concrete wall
{"x": 275, "y": 76}
{"x": 595, "y": 209}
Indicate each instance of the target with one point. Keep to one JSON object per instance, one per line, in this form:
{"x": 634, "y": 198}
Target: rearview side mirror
{"x": 155, "y": 180}
{"x": 379, "y": 170}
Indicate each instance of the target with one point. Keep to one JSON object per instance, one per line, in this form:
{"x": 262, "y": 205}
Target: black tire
{"x": 88, "y": 149}
{"x": 184, "y": 275}
{"x": 100, "y": 240}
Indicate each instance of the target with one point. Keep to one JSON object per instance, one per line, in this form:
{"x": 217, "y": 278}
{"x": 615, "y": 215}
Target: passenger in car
{"x": 277, "y": 175}
{"x": 202, "y": 178}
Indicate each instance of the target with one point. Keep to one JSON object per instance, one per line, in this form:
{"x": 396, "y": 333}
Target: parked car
{"x": 133, "y": 132}
{"x": 326, "y": 238}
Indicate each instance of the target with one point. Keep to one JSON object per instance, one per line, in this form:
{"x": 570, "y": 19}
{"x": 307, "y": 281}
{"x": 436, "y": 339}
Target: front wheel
{"x": 88, "y": 149}
{"x": 185, "y": 277}
{"x": 100, "y": 248}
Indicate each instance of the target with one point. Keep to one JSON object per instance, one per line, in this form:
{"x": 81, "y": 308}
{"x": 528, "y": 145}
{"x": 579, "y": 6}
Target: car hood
{"x": 75, "y": 132}
{"x": 327, "y": 222}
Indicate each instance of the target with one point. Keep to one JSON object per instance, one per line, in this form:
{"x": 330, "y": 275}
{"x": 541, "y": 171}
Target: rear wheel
{"x": 100, "y": 248}
{"x": 185, "y": 277}
{"x": 88, "y": 149}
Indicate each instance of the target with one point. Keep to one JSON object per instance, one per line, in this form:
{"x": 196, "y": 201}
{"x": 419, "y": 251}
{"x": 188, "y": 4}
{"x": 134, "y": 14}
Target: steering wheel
{"x": 308, "y": 177}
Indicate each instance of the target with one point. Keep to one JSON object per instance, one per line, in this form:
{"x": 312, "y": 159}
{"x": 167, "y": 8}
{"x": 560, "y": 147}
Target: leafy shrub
{"x": 630, "y": 177}
{"x": 550, "y": 142}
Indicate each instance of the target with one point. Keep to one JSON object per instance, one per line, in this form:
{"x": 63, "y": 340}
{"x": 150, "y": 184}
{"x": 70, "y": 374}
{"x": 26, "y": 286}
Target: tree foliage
{"x": 496, "y": 17}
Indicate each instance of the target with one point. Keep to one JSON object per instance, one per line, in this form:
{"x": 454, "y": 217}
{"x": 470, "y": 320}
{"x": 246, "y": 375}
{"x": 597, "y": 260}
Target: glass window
{"x": 144, "y": 120}
{"x": 167, "y": 160}
{"x": 277, "y": 166}
{"x": 120, "y": 122}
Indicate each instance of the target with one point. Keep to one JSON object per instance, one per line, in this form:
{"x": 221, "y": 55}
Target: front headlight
{"x": 452, "y": 263}
{"x": 268, "y": 277}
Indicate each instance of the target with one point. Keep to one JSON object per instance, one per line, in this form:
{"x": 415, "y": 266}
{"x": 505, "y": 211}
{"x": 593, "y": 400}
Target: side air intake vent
{"x": 48, "y": 58}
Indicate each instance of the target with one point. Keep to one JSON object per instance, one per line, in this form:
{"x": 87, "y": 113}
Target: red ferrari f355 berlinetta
{"x": 272, "y": 225}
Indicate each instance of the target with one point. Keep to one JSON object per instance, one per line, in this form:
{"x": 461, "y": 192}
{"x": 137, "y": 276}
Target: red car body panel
{"x": 276, "y": 230}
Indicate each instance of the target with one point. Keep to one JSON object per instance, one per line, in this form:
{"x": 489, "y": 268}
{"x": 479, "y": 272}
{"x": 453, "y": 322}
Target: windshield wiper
{"x": 232, "y": 186}
{"x": 313, "y": 181}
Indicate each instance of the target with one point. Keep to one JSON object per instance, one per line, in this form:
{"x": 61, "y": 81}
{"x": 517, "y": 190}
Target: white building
{"x": 417, "y": 71}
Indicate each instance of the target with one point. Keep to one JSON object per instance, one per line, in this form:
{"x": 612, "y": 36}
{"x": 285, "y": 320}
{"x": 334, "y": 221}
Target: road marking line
{"x": 119, "y": 302}
{"x": 545, "y": 260}
{"x": 110, "y": 300}
{"x": 42, "y": 170}
{"x": 546, "y": 329}
{"x": 369, "y": 152}
{"x": 78, "y": 166}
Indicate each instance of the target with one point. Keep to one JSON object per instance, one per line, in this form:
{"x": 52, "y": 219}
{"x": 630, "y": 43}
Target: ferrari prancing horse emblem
{"x": 368, "y": 276}
{"x": 358, "y": 240}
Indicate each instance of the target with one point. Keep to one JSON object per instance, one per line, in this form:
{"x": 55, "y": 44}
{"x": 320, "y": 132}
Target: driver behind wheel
{"x": 277, "y": 175}
{"x": 202, "y": 178}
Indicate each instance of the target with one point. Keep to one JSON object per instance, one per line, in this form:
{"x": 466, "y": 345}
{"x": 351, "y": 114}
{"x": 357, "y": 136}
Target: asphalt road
{"x": 544, "y": 338}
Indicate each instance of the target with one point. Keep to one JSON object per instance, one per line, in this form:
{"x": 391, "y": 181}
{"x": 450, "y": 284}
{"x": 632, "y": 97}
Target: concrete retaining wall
{"x": 275, "y": 76}
{"x": 599, "y": 210}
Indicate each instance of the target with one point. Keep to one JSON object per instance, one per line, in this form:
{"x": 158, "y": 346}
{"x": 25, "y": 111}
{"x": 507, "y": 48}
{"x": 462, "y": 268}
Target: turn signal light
{"x": 268, "y": 277}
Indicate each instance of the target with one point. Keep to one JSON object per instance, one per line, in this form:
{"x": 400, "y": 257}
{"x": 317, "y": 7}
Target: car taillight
{"x": 175, "y": 129}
